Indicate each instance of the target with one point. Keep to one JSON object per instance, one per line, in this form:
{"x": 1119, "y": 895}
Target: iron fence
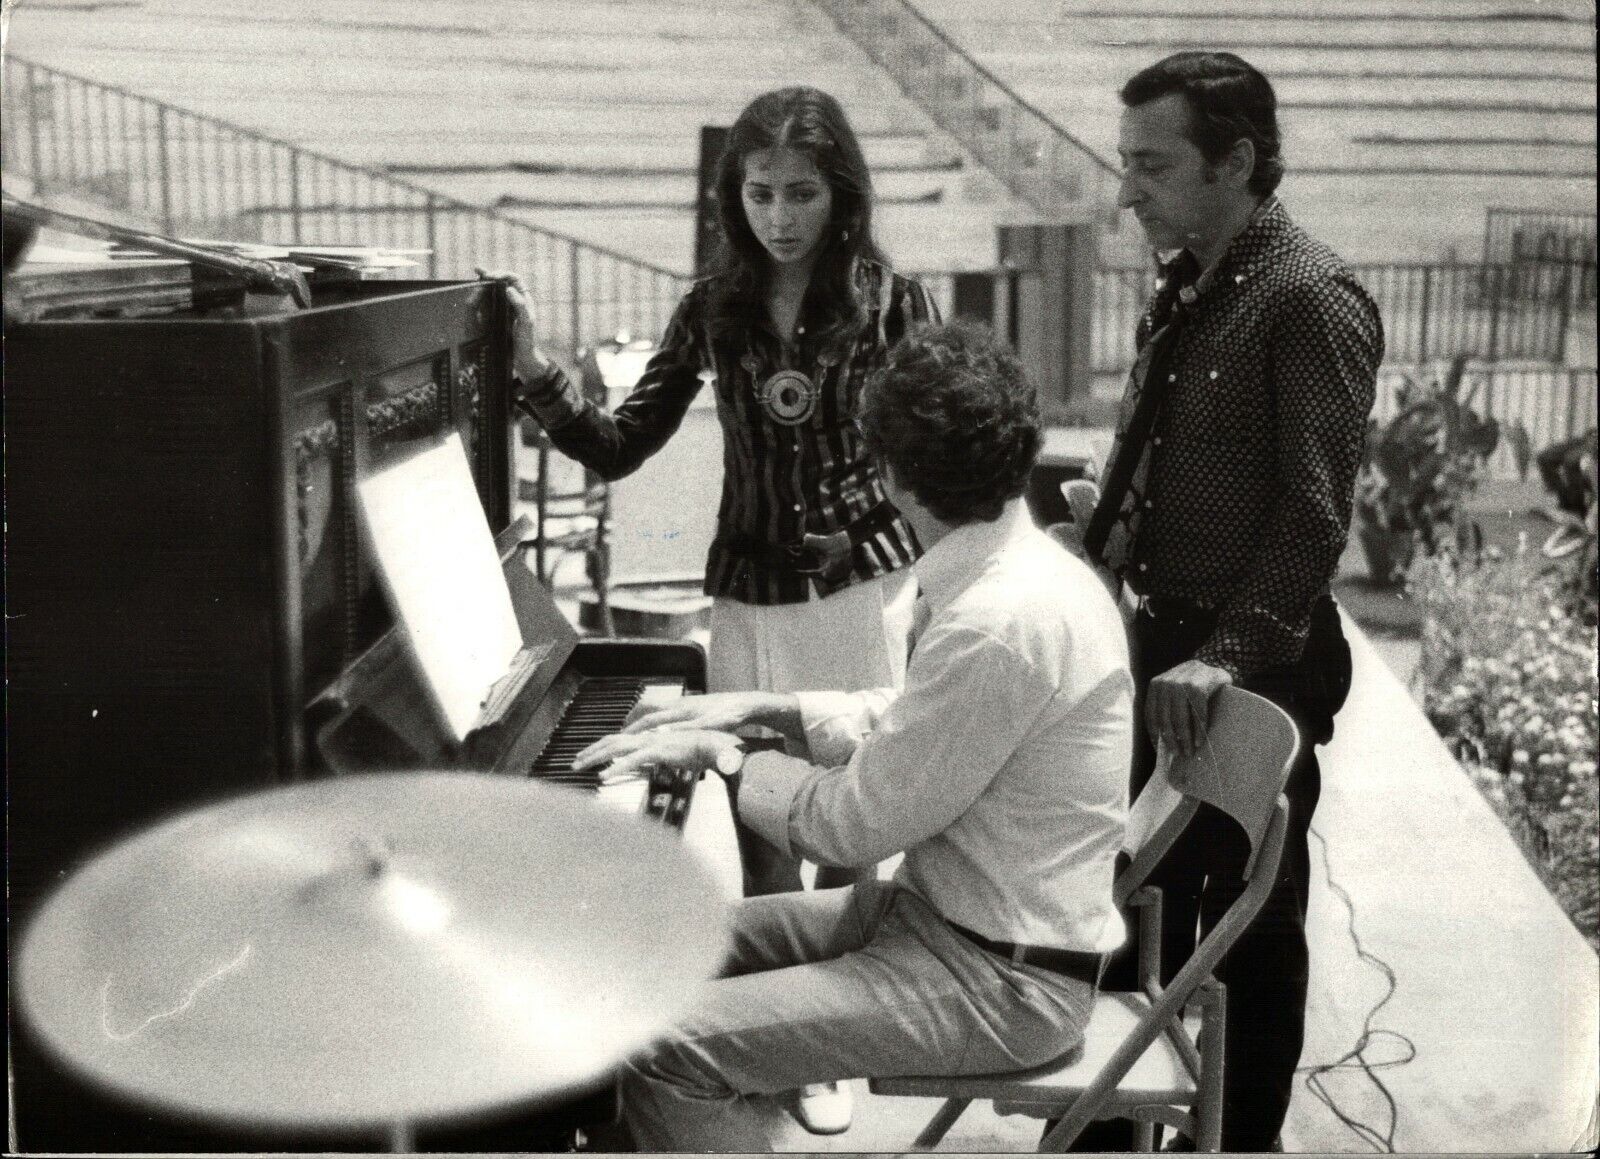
{"x": 1510, "y": 310}
{"x": 1037, "y": 159}
{"x": 1503, "y": 310}
{"x": 200, "y": 177}
{"x": 1119, "y": 299}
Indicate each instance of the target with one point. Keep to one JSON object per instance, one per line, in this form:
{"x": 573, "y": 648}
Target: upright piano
{"x": 191, "y": 612}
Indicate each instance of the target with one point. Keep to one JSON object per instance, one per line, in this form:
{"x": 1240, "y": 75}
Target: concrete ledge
{"x": 1495, "y": 987}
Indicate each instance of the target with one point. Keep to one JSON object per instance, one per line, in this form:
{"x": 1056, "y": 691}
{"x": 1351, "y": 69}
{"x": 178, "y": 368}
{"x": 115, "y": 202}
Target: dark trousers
{"x": 1266, "y": 970}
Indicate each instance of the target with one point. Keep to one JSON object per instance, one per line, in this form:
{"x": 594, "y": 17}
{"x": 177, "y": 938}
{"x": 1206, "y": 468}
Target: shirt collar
{"x": 950, "y": 566}
{"x": 1239, "y": 249}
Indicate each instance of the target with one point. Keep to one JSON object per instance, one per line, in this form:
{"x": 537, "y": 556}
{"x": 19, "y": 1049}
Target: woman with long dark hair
{"x": 808, "y": 567}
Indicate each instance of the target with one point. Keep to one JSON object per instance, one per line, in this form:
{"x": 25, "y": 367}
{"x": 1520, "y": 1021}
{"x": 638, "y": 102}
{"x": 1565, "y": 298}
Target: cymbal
{"x": 371, "y": 949}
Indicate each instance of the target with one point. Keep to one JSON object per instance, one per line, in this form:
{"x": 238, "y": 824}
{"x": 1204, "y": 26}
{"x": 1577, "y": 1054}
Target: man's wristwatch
{"x": 730, "y": 758}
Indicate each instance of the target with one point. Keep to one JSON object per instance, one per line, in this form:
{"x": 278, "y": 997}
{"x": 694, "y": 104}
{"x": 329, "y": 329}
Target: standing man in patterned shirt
{"x": 1226, "y": 506}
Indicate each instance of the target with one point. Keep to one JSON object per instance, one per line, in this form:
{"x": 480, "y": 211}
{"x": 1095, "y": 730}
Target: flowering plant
{"x": 1510, "y": 682}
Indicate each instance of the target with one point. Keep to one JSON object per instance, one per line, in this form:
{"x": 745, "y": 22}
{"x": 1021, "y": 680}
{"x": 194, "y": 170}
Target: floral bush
{"x": 1509, "y": 681}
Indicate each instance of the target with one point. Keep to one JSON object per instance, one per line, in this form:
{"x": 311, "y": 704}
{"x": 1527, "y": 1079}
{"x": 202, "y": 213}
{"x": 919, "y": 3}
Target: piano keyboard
{"x": 599, "y": 708}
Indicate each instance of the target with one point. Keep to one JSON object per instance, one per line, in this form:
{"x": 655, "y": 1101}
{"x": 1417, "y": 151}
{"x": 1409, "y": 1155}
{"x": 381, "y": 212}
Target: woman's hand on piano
{"x": 724, "y": 712}
{"x": 633, "y": 755}
{"x": 528, "y": 362}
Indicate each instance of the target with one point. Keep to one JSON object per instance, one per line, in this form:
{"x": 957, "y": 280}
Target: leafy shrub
{"x": 1420, "y": 467}
{"x": 1509, "y": 681}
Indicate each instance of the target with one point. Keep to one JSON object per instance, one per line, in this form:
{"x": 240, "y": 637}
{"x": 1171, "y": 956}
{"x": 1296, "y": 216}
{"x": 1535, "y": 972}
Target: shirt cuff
{"x": 767, "y": 788}
{"x": 834, "y": 723}
{"x": 1219, "y": 655}
{"x": 551, "y": 397}
{"x": 1249, "y": 642}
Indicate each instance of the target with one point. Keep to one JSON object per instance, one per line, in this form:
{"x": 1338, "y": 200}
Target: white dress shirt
{"x": 1001, "y": 769}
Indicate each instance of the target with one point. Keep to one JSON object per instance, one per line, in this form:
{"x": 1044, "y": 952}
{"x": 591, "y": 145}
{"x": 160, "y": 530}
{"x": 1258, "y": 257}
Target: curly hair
{"x": 1229, "y": 101}
{"x": 953, "y": 416}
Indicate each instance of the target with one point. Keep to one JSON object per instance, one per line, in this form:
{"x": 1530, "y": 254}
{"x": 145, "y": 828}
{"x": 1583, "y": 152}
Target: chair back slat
{"x": 1244, "y": 764}
{"x": 1160, "y": 827}
{"x": 1151, "y": 813}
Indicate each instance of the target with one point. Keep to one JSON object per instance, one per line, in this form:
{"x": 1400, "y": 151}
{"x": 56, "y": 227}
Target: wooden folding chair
{"x": 1139, "y": 1059}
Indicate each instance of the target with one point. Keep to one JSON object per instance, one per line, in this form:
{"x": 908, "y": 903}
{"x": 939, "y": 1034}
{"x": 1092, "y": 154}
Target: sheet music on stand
{"x": 438, "y": 563}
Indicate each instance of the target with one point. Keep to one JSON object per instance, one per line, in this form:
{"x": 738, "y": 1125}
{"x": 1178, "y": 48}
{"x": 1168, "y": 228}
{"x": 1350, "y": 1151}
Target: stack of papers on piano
{"x": 356, "y": 257}
{"x": 308, "y": 257}
{"x": 60, "y": 281}
{"x": 41, "y": 254}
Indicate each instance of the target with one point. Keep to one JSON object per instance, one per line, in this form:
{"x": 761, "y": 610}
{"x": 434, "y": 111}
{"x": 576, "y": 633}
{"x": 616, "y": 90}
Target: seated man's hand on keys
{"x": 724, "y": 711}
{"x": 633, "y": 754}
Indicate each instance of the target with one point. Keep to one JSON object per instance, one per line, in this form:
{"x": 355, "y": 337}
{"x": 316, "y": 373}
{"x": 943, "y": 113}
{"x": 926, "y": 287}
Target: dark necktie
{"x": 1114, "y": 525}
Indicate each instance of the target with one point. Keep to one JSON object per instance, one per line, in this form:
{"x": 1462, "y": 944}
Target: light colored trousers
{"x": 853, "y": 639}
{"x": 862, "y": 981}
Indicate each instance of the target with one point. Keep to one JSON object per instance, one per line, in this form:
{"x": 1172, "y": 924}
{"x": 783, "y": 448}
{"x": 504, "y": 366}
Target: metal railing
{"x": 197, "y": 176}
{"x": 1120, "y": 296}
{"x": 1498, "y": 311}
{"x": 1037, "y": 159}
{"x": 1508, "y": 310}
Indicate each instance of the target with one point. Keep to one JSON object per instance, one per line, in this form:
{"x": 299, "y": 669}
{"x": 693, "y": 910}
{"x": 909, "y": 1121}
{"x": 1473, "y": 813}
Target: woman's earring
{"x": 844, "y": 234}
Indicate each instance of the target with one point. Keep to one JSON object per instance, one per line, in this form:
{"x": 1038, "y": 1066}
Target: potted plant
{"x": 1418, "y": 469}
{"x": 1568, "y": 470}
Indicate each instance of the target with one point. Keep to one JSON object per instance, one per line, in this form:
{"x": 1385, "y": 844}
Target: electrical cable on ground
{"x": 1356, "y": 1057}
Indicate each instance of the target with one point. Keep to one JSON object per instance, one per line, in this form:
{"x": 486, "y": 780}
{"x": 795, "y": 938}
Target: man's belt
{"x": 1174, "y": 608}
{"x": 819, "y": 555}
{"x": 1079, "y": 964}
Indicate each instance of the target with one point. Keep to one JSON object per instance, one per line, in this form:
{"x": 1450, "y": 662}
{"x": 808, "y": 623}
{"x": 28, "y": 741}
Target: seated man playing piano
{"x": 1000, "y": 771}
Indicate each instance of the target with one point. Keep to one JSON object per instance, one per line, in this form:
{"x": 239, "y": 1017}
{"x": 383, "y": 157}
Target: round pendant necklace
{"x": 789, "y": 397}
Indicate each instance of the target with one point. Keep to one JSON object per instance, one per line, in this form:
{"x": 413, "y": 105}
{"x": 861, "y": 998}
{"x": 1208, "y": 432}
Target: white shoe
{"x": 823, "y": 1108}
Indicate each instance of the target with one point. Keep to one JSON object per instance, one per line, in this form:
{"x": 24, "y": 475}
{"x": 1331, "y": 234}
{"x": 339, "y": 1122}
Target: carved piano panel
{"x": 184, "y": 567}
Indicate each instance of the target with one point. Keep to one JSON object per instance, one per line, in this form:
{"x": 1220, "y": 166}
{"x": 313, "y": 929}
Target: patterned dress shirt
{"x": 1266, "y": 388}
{"x": 779, "y": 482}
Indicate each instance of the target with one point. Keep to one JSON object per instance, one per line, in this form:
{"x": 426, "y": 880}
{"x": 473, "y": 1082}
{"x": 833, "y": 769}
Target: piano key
{"x": 600, "y": 707}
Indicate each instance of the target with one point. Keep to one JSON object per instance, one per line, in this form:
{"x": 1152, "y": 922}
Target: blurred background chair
{"x": 572, "y": 513}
